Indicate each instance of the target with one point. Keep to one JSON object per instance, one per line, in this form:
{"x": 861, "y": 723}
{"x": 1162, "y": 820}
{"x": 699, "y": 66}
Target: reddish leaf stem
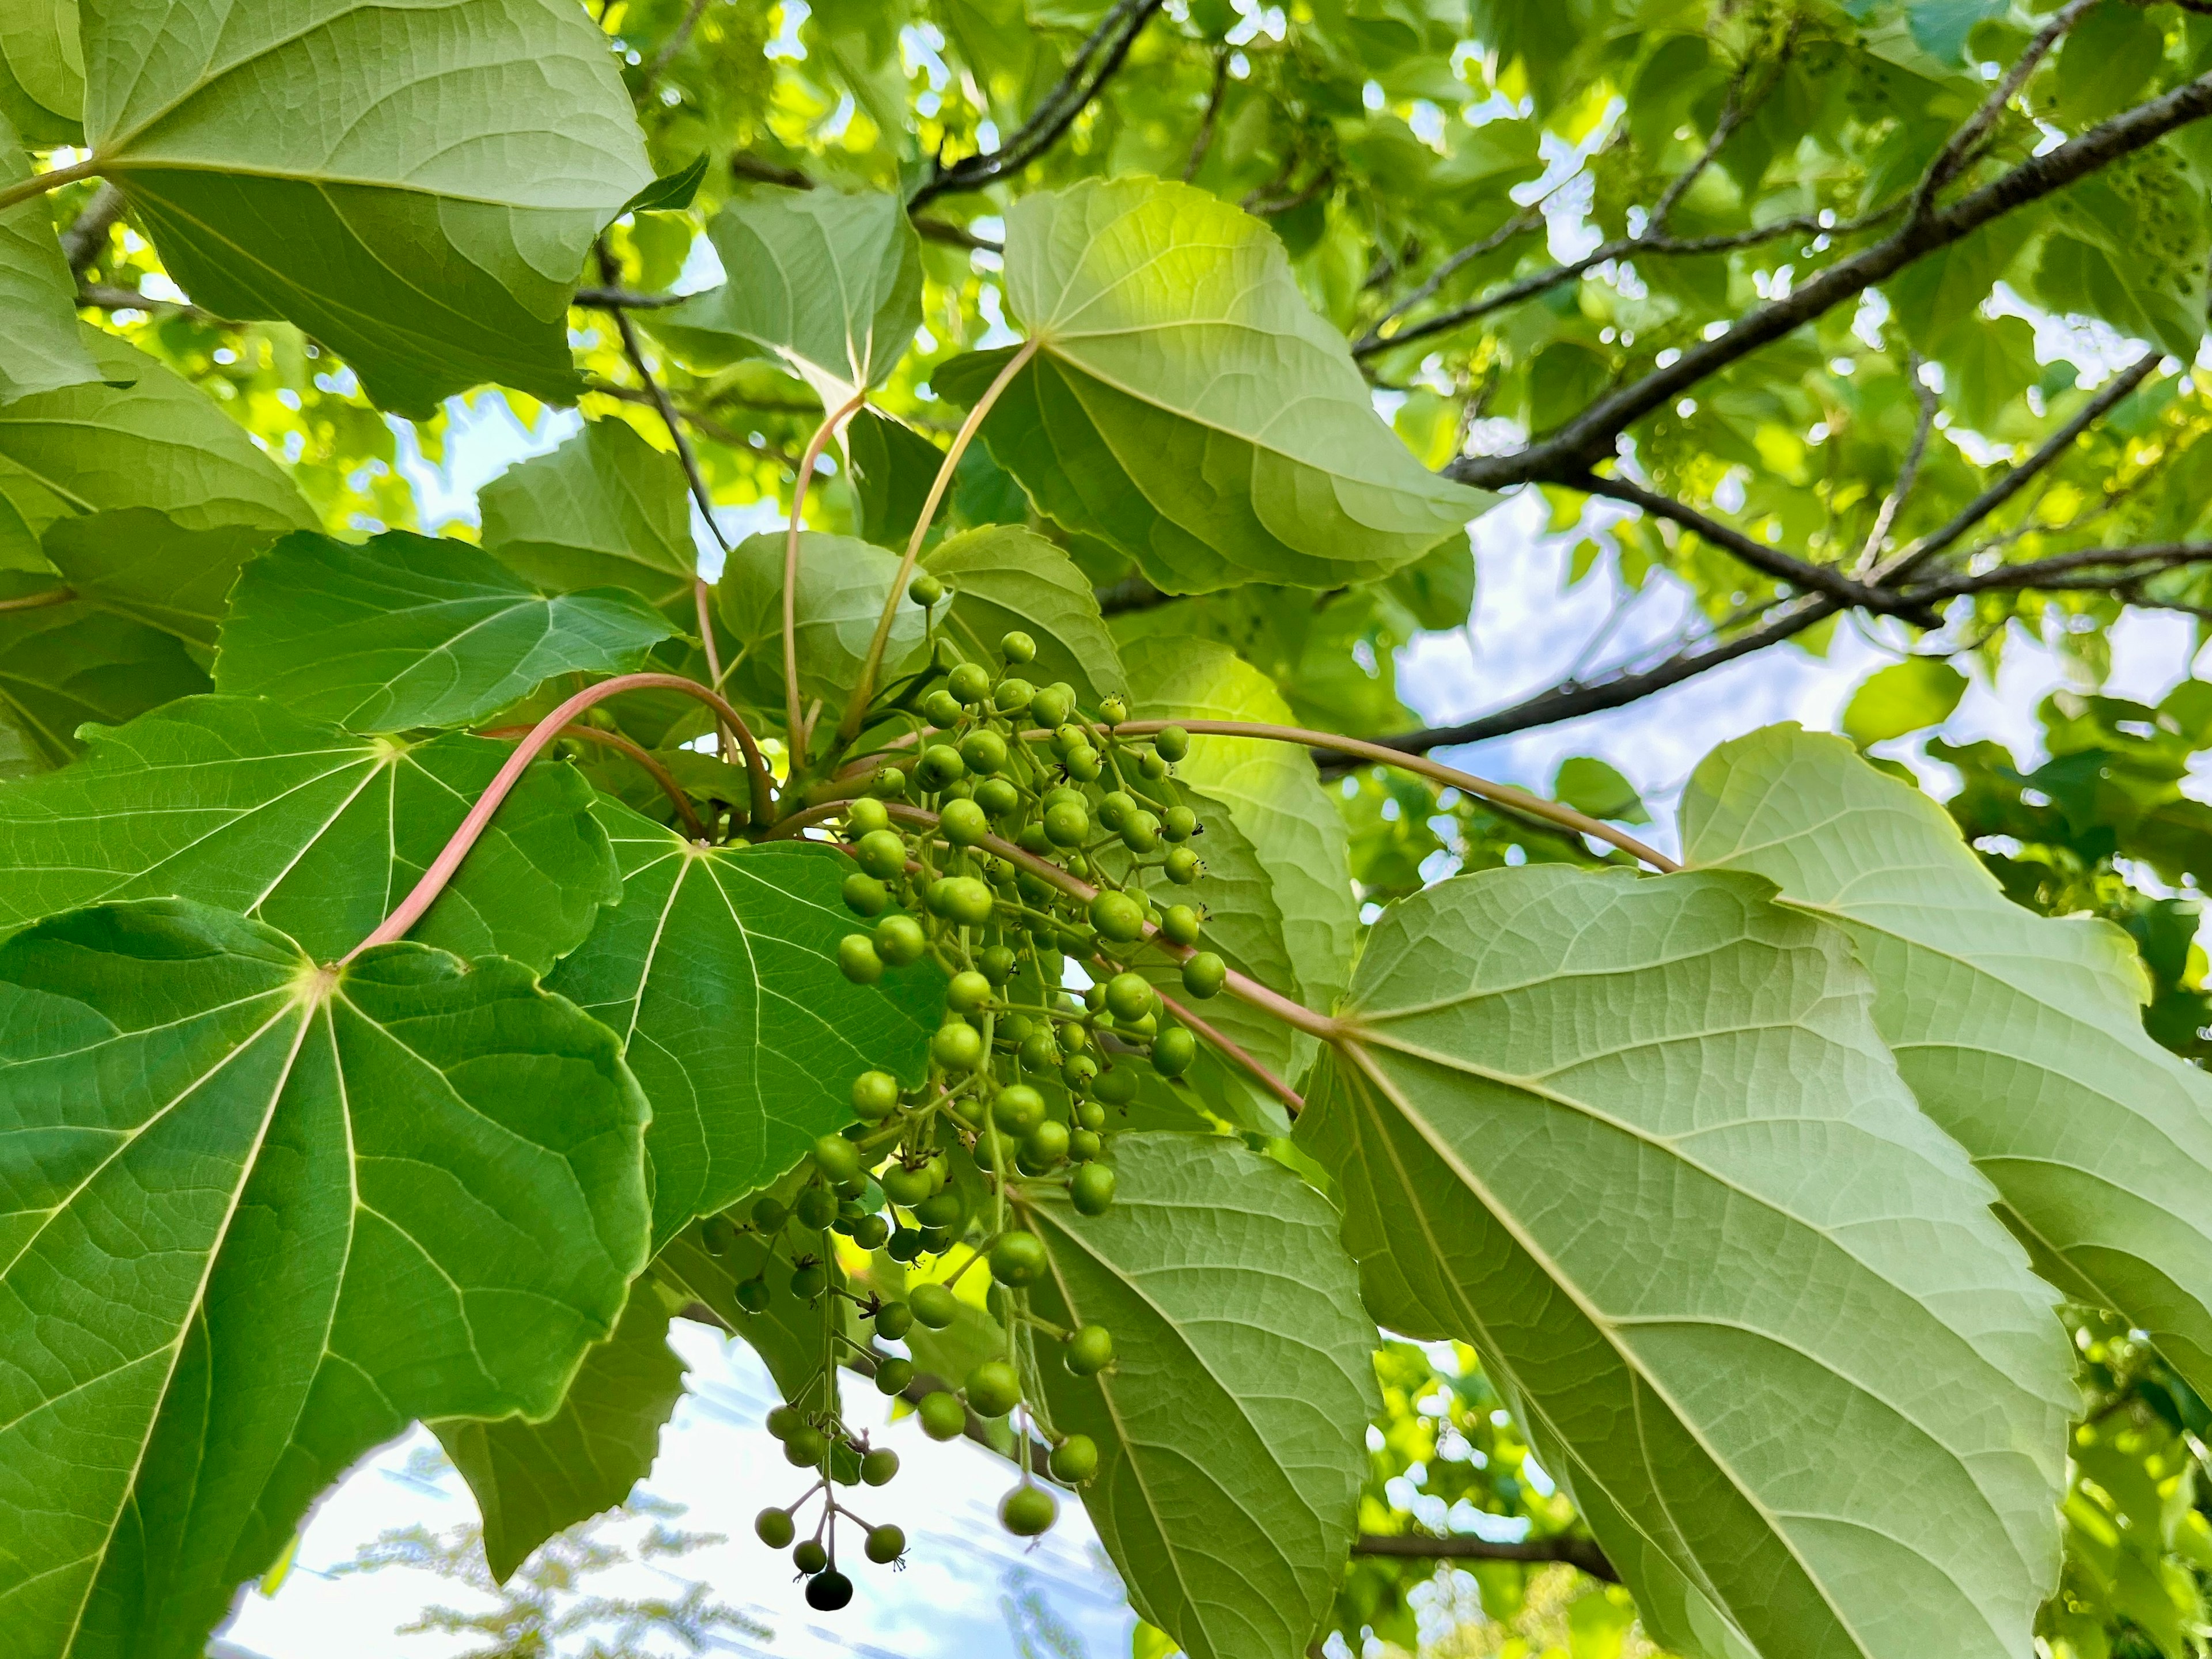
{"x": 795, "y": 724}
{"x": 411, "y": 908}
{"x": 621, "y": 745}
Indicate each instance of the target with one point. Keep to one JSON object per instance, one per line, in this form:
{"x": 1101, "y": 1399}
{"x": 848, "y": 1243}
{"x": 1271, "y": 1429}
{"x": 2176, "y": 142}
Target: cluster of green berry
{"x": 1006, "y": 835}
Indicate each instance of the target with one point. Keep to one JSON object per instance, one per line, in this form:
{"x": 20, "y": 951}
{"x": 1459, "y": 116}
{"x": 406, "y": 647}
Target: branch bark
{"x": 1577, "y": 1552}
{"x": 87, "y": 238}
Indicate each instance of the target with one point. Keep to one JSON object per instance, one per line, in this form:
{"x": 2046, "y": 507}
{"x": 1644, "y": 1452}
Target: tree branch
{"x": 1107, "y": 47}
{"x": 617, "y": 299}
{"x": 706, "y": 425}
{"x": 86, "y": 240}
{"x": 1581, "y": 1553}
{"x": 1204, "y": 141}
{"x": 1908, "y": 472}
{"x": 1589, "y": 437}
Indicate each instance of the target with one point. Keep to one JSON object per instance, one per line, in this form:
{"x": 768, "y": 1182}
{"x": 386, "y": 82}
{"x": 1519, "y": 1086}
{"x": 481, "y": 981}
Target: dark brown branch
{"x": 105, "y": 296}
{"x": 1966, "y": 143}
{"x": 1097, "y": 61}
{"x": 611, "y": 273}
{"x": 1581, "y": 1553}
{"x": 2065, "y": 571}
{"x": 1204, "y": 141}
{"x": 86, "y": 240}
{"x": 617, "y": 299}
{"x": 1589, "y": 437}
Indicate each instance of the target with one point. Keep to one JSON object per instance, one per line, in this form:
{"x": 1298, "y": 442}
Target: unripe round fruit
{"x": 1150, "y": 765}
{"x": 1014, "y": 694}
{"x": 1090, "y": 1350}
{"x": 1173, "y": 1051}
{"x": 838, "y": 1158}
{"x": 885, "y": 1543}
{"x": 998, "y": 798}
{"x": 963, "y": 822}
{"x": 1117, "y": 917}
{"x": 1069, "y": 738}
{"x": 961, "y": 899}
{"x": 875, "y": 1097}
{"x": 769, "y": 1215}
{"x": 1084, "y": 763}
{"x": 1018, "y": 1259}
{"x": 993, "y": 1389}
{"x": 1184, "y": 866}
{"x": 1172, "y": 743}
{"x": 940, "y": 764}
{"x": 904, "y": 1186}
{"x": 865, "y": 895}
{"x": 1129, "y": 996}
{"x": 1091, "y": 1191}
{"x": 1038, "y": 1053}
{"x": 1090, "y": 1114}
{"x": 877, "y": 1468}
{"x": 905, "y": 1245}
{"x": 1017, "y": 647}
{"x": 925, "y": 590}
{"x": 887, "y": 783}
{"x": 957, "y": 1048}
{"x": 893, "y": 1374}
{"x": 943, "y": 1416}
{"x": 1178, "y": 824}
{"x": 871, "y": 1232}
{"x": 1050, "y": 706}
{"x": 941, "y": 708}
{"x": 1116, "y": 809}
{"x": 881, "y": 853}
{"x": 857, "y": 959}
{"x": 806, "y": 1444}
{"x": 942, "y": 1209}
{"x": 1204, "y": 975}
{"x": 774, "y": 1528}
{"x": 970, "y": 682}
{"x": 1017, "y": 1109}
{"x": 900, "y": 940}
{"x": 967, "y": 992}
{"x": 816, "y": 1207}
{"x": 1141, "y": 833}
{"x": 864, "y": 817}
{"x": 752, "y": 1294}
{"x": 1065, "y": 824}
{"x": 1083, "y": 1144}
{"x": 1078, "y": 1070}
{"x": 1074, "y": 1460}
{"x": 1117, "y": 1085}
{"x": 1179, "y": 925}
{"x": 1046, "y": 1144}
{"x": 893, "y": 1320}
{"x": 933, "y": 1305}
{"x": 1029, "y": 1511}
{"x": 985, "y": 751}
{"x": 829, "y": 1591}
{"x": 718, "y": 1233}
{"x": 998, "y": 964}
{"x": 809, "y": 1281}
{"x": 810, "y": 1557}
{"x": 782, "y": 1420}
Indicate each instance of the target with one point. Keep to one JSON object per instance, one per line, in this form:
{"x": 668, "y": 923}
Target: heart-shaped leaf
{"x": 606, "y": 509}
{"x": 719, "y": 969}
{"x": 1638, "y": 1141}
{"x": 410, "y": 632}
{"x": 235, "y": 802}
{"x": 2022, "y": 1036}
{"x": 425, "y": 215}
{"x": 842, "y": 584}
{"x": 1185, "y": 403}
{"x": 829, "y": 285}
{"x": 42, "y": 71}
{"x": 1231, "y": 1429}
{"x": 259, "y": 1216}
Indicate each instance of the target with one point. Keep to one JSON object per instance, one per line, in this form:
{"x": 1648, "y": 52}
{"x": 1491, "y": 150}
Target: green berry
{"x": 1178, "y": 824}
{"x": 810, "y": 1557}
{"x": 1115, "y": 810}
{"x": 1091, "y": 1191}
{"x": 1173, "y": 1051}
{"x": 1183, "y": 865}
{"x": 933, "y": 1305}
{"x": 957, "y": 1048}
{"x": 864, "y": 817}
{"x": 968, "y": 991}
{"x": 718, "y": 1233}
{"x": 877, "y": 1468}
{"x": 1084, "y": 763}
{"x": 940, "y": 708}
{"x": 944, "y": 1209}
{"x": 1179, "y": 925}
{"x": 875, "y": 1094}
{"x": 1172, "y": 743}
{"x": 998, "y": 798}
{"x": 1129, "y": 996}
{"x": 893, "y": 1320}
{"x": 1018, "y": 1109}
{"x": 1141, "y": 834}
{"x": 925, "y": 590}
{"x": 782, "y": 1420}
{"x": 1074, "y": 1460}
{"x": 809, "y": 1281}
{"x": 900, "y": 940}
{"x": 963, "y": 822}
{"x": 1204, "y": 975}
{"x": 857, "y": 959}
{"x": 1018, "y": 1259}
{"x": 805, "y": 1445}
{"x": 906, "y": 1187}
{"x": 1077, "y": 1070}
{"x": 885, "y": 1543}
{"x": 865, "y": 895}
{"x": 881, "y": 853}
{"x": 816, "y": 1208}
{"x": 871, "y": 1232}
{"x": 1046, "y": 1144}
{"x": 892, "y": 1375}
{"x": 906, "y": 1243}
{"x": 998, "y": 964}
{"x": 970, "y": 682}
{"x": 940, "y": 764}
{"x": 887, "y": 783}
{"x": 1029, "y": 1511}
{"x": 1090, "y": 1114}
{"x": 961, "y": 899}
{"x": 1117, "y": 1085}
{"x": 752, "y": 1294}
{"x": 1050, "y": 706}
{"x": 943, "y": 1416}
{"x": 1014, "y": 694}
{"x": 1083, "y": 1144}
{"x": 993, "y": 1389}
{"x": 985, "y": 751}
{"x": 1038, "y": 1053}
{"x": 1090, "y": 1350}
{"x": 1065, "y": 824}
{"x": 773, "y": 1528}
{"x": 1117, "y": 917}
{"x": 769, "y": 1214}
{"x": 1017, "y": 647}
{"x": 1150, "y": 765}
{"x": 829, "y": 1591}
{"x": 838, "y": 1158}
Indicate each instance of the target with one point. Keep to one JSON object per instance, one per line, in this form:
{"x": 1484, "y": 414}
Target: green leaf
{"x": 37, "y": 292}
{"x": 139, "y": 564}
{"x": 235, "y": 802}
{"x": 891, "y": 467}
{"x": 672, "y": 192}
{"x": 1590, "y": 785}
{"x": 534, "y": 1479}
{"x": 786, "y": 1335}
{"x": 2021, "y": 1036}
{"x": 1272, "y": 791}
{"x": 259, "y": 1217}
{"x": 1638, "y": 1141}
{"x": 842, "y": 584}
{"x": 1986, "y": 367}
{"x": 411, "y": 631}
{"x": 1002, "y": 578}
{"x": 827, "y": 284}
{"x": 67, "y": 665}
{"x": 146, "y": 440}
{"x": 2108, "y": 57}
{"x": 719, "y": 968}
{"x": 1188, "y": 405}
{"x": 606, "y": 509}
{"x": 42, "y": 71}
{"x": 424, "y": 213}
{"x": 1437, "y": 589}
{"x": 1231, "y": 1428}
{"x": 1906, "y": 696}
{"x": 2130, "y": 244}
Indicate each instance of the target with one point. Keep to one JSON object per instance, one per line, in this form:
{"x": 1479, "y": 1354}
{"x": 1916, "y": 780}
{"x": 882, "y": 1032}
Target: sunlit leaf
{"x": 1003, "y": 579}
{"x": 42, "y": 350}
{"x": 842, "y": 584}
{"x": 606, "y": 509}
{"x": 42, "y": 71}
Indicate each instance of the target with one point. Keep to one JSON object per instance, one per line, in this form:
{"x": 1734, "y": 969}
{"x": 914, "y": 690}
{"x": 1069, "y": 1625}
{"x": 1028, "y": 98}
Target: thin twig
{"x": 666, "y": 54}
{"x": 39, "y": 601}
{"x": 706, "y": 425}
{"x": 1520, "y": 224}
{"x": 106, "y": 296}
{"x": 616, "y": 298}
{"x": 1204, "y": 141}
{"x": 85, "y": 241}
{"x": 1959, "y": 151}
{"x": 1581, "y": 1553}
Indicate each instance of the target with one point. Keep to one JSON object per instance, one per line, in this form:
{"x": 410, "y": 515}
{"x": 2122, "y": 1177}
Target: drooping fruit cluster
{"x": 1006, "y": 836}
